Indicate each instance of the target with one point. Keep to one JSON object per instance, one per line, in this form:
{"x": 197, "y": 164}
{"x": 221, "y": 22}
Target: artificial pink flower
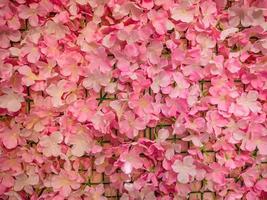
{"x": 29, "y": 77}
{"x": 131, "y": 125}
{"x": 83, "y": 110}
{"x": 154, "y": 51}
{"x": 65, "y": 181}
{"x": 57, "y": 90}
{"x": 30, "y": 13}
{"x": 68, "y": 63}
{"x": 32, "y": 52}
{"x": 185, "y": 169}
{"x": 56, "y": 30}
{"x": 8, "y": 35}
{"x": 245, "y": 104}
{"x": 25, "y": 180}
{"x": 10, "y": 136}
{"x": 160, "y": 21}
{"x": 82, "y": 143}
{"x": 208, "y": 10}
{"x": 131, "y": 160}
{"x": 11, "y": 101}
{"x": 50, "y": 144}
{"x": 96, "y": 80}
{"x": 142, "y": 105}
{"x": 215, "y": 122}
{"x": 183, "y": 13}
{"x": 181, "y": 88}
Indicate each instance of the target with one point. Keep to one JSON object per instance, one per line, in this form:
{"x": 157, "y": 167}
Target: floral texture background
{"x": 133, "y": 100}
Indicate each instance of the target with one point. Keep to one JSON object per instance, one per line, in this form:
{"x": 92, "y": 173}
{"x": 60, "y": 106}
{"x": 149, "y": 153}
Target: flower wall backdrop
{"x": 144, "y": 99}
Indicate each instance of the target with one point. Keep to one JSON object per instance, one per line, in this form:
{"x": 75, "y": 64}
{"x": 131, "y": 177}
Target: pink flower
{"x": 131, "y": 160}
{"x": 6, "y": 71}
{"x": 96, "y": 80}
{"x": 126, "y": 68}
{"x": 250, "y": 176}
{"x": 8, "y": 35}
{"x": 185, "y": 169}
{"x": 148, "y": 4}
{"x": 222, "y": 98}
{"x": 205, "y": 42}
{"x": 163, "y": 79}
{"x": 257, "y": 137}
{"x": 96, "y": 192}
{"x": 65, "y": 182}
{"x": 47, "y": 70}
{"x": 11, "y": 101}
{"x": 245, "y": 104}
{"x": 233, "y": 65}
{"x": 81, "y": 143}
{"x": 68, "y": 63}
{"x": 102, "y": 121}
{"x": 10, "y": 136}
{"x": 57, "y": 30}
{"x": 160, "y": 21}
{"x": 154, "y": 51}
{"x": 142, "y": 105}
{"x": 99, "y": 61}
{"x": 183, "y": 13}
{"x": 32, "y": 52}
{"x": 215, "y": 122}
{"x": 181, "y": 88}
{"x": 84, "y": 110}
{"x": 30, "y": 13}
{"x": 50, "y": 144}
{"x": 57, "y": 90}
{"x": 130, "y": 125}
{"x": 208, "y": 10}
{"x": 25, "y": 180}
{"x": 262, "y": 185}
{"x": 163, "y": 134}
{"x": 29, "y": 77}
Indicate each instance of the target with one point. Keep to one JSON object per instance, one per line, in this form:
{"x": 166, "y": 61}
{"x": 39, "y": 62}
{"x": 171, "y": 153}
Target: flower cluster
{"x": 144, "y": 99}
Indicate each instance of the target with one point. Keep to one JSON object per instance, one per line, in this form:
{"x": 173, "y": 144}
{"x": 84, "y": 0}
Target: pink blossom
{"x": 215, "y": 122}
{"x": 30, "y": 13}
{"x": 8, "y": 35}
{"x": 245, "y": 104}
{"x": 57, "y": 30}
{"x": 96, "y": 192}
{"x": 50, "y": 144}
{"x": 154, "y": 51}
{"x": 82, "y": 143}
{"x": 65, "y": 181}
{"x": 29, "y": 77}
{"x": 209, "y": 10}
{"x": 181, "y": 88}
{"x": 142, "y": 105}
{"x": 131, "y": 160}
{"x": 57, "y": 90}
{"x": 96, "y": 80}
{"x": 160, "y": 21}
{"x": 83, "y": 110}
{"x": 130, "y": 125}
{"x": 185, "y": 169}
{"x": 24, "y": 180}
{"x": 102, "y": 121}
{"x": 68, "y": 63}
{"x": 183, "y": 13}
{"x": 11, "y": 101}
{"x": 32, "y": 52}
{"x": 10, "y": 137}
